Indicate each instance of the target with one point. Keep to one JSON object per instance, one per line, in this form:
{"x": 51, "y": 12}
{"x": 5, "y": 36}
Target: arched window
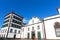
{"x": 57, "y": 29}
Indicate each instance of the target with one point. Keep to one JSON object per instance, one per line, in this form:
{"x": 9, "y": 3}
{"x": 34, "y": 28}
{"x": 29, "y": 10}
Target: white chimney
{"x": 59, "y": 10}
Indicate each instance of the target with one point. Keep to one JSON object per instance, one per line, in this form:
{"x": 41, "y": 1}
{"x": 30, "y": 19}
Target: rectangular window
{"x": 58, "y": 32}
{"x": 11, "y": 30}
{"x": 57, "y": 28}
{"x": 5, "y": 25}
{"x": 17, "y": 18}
{"x": 32, "y": 28}
{"x": 19, "y": 31}
{"x": 28, "y": 29}
{"x": 16, "y": 22}
{"x": 6, "y": 21}
{"x": 16, "y": 26}
{"x": 15, "y": 31}
{"x": 7, "y": 17}
{"x": 38, "y": 27}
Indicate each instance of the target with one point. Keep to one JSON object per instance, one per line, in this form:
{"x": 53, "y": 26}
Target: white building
{"x": 11, "y": 26}
{"x": 47, "y": 29}
{"x": 33, "y": 29}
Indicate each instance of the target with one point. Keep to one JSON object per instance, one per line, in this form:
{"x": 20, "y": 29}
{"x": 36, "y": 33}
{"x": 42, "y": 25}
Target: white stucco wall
{"x": 3, "y": 32}
{"x": 30, "y": 25}
{"x": 24, "y": 32}
{"x": 49, "y": 27}
{"x": 35, "y": 29}
{"x": 11, "y": 35}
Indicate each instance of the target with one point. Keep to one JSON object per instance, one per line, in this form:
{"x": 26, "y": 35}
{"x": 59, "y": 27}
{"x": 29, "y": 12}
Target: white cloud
{"x": 25, "y": 20}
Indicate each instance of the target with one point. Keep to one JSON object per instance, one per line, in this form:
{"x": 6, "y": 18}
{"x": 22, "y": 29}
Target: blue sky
{"x": 29, "y": 8}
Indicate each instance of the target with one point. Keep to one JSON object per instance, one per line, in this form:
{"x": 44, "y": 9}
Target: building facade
{"x": 11, "y": 26}
{"x": 33, "y": 30}
{"x": 36, "y": 29}
{"x": 47, "y": 29}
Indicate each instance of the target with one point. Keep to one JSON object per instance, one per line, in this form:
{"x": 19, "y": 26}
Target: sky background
{"x": 29, "y": 8}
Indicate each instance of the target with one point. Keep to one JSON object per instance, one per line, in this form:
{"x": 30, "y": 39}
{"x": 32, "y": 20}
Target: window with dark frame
{"x": 57, "y": 29}
{"x": 16, "y": 26}
{"x": 16, "y": 21}
{"x": 7, "y": 17}
{"x": 32, "y": 28}
{"x": 11, "y": 30}
{"x": 4, "y": 25}
{"x": 6, "y": 21}
{"x": 28, "y": 29}
{"x": 38, "y": 27}
{"x": 19, "y": 31}
{"x": 17, "y": 18}
{"x": 15, "y": 31}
